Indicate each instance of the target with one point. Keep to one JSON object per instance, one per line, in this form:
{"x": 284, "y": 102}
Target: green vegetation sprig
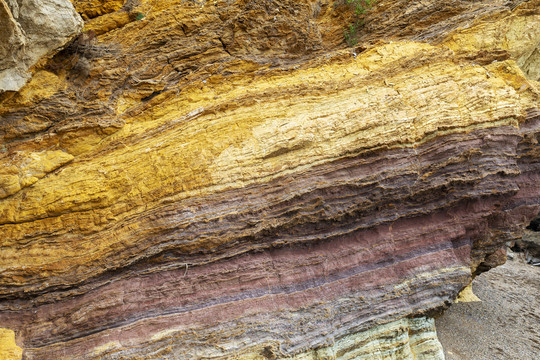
{"x": 360, "y": 9}
{"x": 361, "y": 6}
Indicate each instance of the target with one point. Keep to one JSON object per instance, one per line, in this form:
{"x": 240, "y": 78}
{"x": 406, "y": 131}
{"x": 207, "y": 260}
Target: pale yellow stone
{"x": 95, "y": 8}
{"x": 110, "y": 346}
{"x": 124, "y": 103}
{"x": 9, "y": 184}
{"x": 42, "y": 85}
{"x": 8, "y": 348}
{"x": 467, "y": 295}
{"x": 81, "y": 142}
{"x": 36, "y": 165}
{"x": 108, "y": 22}
{"x": 518, "y": 34}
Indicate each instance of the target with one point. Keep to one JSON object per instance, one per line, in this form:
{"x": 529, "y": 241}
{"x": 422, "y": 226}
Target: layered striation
{"x": 226, "y": 180}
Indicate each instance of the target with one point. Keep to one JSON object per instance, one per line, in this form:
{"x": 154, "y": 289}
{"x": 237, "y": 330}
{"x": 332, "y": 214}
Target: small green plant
{"x": 360, "y": 9}
{"x": 361, "y": 6}
{"x": 139, "y": 16}
{"x": 351, "y": 34}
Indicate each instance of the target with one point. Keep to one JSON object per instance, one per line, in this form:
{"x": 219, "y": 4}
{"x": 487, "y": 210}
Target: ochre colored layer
{"x": 8, "y": 348}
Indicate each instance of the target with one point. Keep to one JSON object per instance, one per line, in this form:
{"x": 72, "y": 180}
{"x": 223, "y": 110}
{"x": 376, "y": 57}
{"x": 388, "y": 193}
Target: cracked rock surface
{"x": 227, "y": 179}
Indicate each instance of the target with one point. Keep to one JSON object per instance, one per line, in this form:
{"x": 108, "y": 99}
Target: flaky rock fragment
{"x": 29, "y": 30}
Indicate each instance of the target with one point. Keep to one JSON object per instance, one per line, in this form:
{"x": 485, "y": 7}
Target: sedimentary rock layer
{"x": 215, "y": 181}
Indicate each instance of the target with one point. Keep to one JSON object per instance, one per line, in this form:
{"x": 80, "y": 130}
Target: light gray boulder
{"x": 29, "y": 31}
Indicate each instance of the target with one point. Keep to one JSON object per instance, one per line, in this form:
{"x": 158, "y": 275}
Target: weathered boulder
{"x": 30, "y": 30}
{"x": 529, "y": 245}
{"x": 228, "y": 180}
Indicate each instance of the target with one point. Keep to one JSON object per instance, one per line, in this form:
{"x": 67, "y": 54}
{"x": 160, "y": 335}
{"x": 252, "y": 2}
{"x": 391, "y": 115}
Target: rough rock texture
{"x": 530, "y": 246}
{"x": 29, "y": 30}
{"x": 226, "y": 180}
{"x": 8, "y": 349}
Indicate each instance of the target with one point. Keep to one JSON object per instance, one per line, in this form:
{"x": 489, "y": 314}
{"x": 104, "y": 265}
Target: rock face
{"x": 31, "y": 29}
{"x": 227, "y": 180}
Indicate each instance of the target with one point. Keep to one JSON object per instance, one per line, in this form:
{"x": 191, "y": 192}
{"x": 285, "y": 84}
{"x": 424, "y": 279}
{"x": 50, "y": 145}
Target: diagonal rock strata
{"x": 203, "y": 195}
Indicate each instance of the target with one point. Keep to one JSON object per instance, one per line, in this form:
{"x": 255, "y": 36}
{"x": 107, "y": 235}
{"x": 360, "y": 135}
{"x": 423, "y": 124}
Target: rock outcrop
{"x": 227, "y": 180}
{"x": 529, "y": 245}
{"x": 30, "y": 30}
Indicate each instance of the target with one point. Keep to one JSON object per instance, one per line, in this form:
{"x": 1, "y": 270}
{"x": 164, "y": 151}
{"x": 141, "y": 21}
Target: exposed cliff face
{"x": 225, "y": 179}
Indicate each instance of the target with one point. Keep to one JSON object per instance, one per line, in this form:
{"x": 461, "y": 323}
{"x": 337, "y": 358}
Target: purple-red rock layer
{"x": 348, "y": 245}
{"x": 321, "y": 203}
